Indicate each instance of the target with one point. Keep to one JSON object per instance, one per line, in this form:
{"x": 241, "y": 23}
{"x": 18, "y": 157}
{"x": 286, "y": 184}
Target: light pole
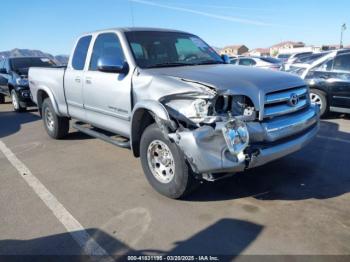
{"x": 343, "y": 28}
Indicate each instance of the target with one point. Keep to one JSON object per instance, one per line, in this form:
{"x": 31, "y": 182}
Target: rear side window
{"x": 80, "y": 53}
{"x": 106, "y": 45}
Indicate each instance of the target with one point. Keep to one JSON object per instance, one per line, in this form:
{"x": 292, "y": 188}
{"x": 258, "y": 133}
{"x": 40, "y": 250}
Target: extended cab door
{"x": 74, "y": 76}
{"x": 107, "y": 95}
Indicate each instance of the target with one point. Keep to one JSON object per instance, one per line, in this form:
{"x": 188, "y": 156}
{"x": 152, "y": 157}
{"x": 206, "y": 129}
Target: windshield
{"x": 164, "y": 49}
{"x": 283, "y": 56}
{"x": 310, "y": 58}
{"x": 26, "y": 62}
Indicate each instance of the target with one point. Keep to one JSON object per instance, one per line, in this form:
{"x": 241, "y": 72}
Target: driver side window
{"x": 106, "y": 45}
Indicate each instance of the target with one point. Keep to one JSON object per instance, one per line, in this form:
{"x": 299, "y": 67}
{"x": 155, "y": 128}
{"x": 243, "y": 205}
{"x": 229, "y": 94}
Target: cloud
{"x": 211, "y": 15}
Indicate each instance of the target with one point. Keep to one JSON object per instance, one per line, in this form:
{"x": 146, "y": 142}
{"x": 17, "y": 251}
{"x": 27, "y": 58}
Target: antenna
{"x": 132, "y": 12}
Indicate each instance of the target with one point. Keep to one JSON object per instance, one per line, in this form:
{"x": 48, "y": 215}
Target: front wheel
{"x": 57, "y": 127}
{"x": 16, "y": 103}
{"x": 319, "y": 98}
{"x": 164, "y": 165}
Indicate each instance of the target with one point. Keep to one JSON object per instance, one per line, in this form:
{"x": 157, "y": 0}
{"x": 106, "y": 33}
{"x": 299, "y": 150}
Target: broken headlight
{"x": 196, "y": 110}
{"x": 235, "y": 105}
{"x": 199, "y": 108}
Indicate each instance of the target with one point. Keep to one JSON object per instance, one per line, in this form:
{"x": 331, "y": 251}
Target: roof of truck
{"x": 136, "y": 29}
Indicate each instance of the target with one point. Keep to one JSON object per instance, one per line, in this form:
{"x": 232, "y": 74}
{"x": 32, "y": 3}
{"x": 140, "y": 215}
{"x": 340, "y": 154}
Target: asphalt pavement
{"x": 296, "y": 205}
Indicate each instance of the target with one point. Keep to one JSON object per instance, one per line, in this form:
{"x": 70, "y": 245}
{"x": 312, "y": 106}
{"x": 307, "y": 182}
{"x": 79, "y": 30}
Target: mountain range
{"x": 59, "y": 59}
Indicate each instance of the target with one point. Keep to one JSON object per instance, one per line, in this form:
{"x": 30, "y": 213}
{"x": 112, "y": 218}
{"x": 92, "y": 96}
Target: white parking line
{"x": 334, "y": 139}
{"x": 77, "y": 231}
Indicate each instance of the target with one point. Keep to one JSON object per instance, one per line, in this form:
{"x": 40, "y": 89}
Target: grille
{"x": 279, "y": 103}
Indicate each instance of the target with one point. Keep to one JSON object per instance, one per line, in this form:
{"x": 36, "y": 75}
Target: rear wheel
{"x": 57, "y": 127}
{"x": 2, "y": 98}
{"x": 319, "y": 98}
{"x": 16, "y": 103}
{"x": 164, "y": 165}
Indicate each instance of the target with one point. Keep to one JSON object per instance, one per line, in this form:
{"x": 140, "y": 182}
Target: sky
{"x": 53, "y": 26}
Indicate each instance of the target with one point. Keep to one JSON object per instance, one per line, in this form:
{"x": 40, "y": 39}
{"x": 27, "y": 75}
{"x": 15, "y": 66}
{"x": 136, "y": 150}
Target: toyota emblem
{"x": 293, "y": 99}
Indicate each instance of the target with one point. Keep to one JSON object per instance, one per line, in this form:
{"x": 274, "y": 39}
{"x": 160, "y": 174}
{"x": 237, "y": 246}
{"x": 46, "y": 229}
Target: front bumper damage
{"x": 207, "y": 152}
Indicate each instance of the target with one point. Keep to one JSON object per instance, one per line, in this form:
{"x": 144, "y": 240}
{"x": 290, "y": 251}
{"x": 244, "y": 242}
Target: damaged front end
{"x": 212, "y": 130}
{"x": 224, "y": 133}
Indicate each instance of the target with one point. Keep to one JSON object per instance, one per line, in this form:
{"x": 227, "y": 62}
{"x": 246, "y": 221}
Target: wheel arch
{"x": 144, "y": 114}
{"x": 44, "y": 93}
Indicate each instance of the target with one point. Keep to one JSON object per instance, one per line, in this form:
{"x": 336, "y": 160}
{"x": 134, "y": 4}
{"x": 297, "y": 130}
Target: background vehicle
{"x": 294, "y": 57}
{"x": 173, "y": 100}
{"x": 262, "y": 62}
{"x": 14, "y": 79}
{"x": 283, "y": 57}
{"x": 328, "y": 75}
{"x": 330, "y": 83}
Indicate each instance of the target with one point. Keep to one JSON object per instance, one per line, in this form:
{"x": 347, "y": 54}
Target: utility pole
{"x": 343, "y": 28}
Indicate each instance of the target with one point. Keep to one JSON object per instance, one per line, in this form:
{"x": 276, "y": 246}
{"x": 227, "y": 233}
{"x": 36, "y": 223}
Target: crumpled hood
{"x": 250, "y": 81}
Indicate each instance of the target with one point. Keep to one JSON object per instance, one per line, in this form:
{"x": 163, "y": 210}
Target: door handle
{"x": 88, "y": 80}
{"x": 77, "y": 79}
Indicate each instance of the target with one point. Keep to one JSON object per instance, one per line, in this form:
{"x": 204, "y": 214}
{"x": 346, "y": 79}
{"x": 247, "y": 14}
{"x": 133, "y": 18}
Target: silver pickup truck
{"x": 176, "y": 103}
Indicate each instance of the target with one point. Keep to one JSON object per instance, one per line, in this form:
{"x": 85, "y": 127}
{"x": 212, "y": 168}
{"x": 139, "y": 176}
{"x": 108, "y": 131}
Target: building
{"x": 330, "y": 47}
{"x": 282, "y": 47}
{"x": 260, "y": 52}
{"x": 233, "y": 50}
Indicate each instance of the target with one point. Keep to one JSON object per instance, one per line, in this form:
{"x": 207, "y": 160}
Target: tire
{"x": 2, "y": 98}
{"x": 175, "y": 184}
{"x": 15, "y": 102}
{"x": 319, "y": 97}
{"x": 57, "y": 127}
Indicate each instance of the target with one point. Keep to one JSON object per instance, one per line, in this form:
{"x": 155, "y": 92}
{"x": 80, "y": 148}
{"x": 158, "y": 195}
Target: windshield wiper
{"x": 168, "y": 64}
{"x": 209, "y": 62}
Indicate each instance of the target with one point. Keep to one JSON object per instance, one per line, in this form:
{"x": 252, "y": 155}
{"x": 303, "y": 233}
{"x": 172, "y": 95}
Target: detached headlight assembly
{"x": 236, "y": 136}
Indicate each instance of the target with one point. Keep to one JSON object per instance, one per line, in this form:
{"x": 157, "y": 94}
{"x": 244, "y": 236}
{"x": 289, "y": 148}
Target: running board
{"x": 91, "y": 132}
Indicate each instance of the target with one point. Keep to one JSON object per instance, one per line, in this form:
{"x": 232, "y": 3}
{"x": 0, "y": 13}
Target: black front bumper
{"x": 24, "y": 97}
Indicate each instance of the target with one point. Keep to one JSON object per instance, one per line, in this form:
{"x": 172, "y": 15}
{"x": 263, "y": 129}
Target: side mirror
{"x": 226, "y": 59}
{"x": 3, "y": 71}
{"x": 110, "y": 64}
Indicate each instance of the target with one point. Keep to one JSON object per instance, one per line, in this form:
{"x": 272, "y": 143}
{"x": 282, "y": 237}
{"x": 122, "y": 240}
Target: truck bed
{"x": 49, "y": 79}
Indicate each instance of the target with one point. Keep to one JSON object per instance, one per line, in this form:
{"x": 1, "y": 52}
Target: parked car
{"x": 329, "y": 79}
{"x": 294, "y": 57}
{"x": 257, "y": 61}
{"x": 283, "y": 57}
{"x": 301, "y": 64}
{"x": 308, "y": 59}
{"x": 14, "y": 79}
{"x": 173, "y": 100}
